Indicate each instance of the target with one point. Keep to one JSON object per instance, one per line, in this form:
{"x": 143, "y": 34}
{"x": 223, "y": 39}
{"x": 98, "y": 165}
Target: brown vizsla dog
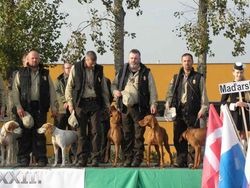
{"x": 158, "y": 137}
{"x": 114, "y": 134}
{"x": 196, "y": 138}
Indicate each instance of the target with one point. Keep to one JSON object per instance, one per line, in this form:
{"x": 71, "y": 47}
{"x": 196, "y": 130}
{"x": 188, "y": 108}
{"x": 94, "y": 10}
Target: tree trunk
{"x": 119, "y": 15}
{"x": 204, "y": 37}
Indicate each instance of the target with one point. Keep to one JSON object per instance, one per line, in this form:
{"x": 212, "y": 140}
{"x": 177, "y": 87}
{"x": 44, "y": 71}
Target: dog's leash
{"x": 196, "y": 122}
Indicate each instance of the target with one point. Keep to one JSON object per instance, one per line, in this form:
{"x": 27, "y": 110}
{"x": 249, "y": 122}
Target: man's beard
{"x": 32, "y": 66}
{"x": 134, "y": 67}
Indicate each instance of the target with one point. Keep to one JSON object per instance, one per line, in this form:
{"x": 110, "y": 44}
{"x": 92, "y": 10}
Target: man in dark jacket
{"x": 187, "y": 93}
{"x": 136, "y": 95}
{"x": 87, "y": 93}
{"x": 34, "y": 92}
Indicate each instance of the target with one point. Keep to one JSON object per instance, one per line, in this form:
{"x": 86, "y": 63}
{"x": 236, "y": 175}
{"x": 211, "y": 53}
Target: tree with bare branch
{"x": 214, "y": 17}
{"x": 107, "y": 27}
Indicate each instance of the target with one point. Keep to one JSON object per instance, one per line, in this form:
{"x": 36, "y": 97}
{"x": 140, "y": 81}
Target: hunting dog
{"x": 158, "y": 137}
{"x": 196, "y": 138}
{"x": 114, "y": 134}
{"x": 10, "y": 131}
{"x": 62, "y": 139}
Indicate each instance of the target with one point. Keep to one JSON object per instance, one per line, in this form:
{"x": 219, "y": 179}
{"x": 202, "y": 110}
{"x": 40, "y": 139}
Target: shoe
{"x": 22, "y": 164}
{"x": 81, "y": 164}
{"x": 127, "y": 164}
{"x": 94, "y": 164}
{"x": 136, "y": 163}
{"x": 42, "y": 163}
{"x": 190, "y": 165}
{"x": 59, "y": 161}
{"x": 179, "y": 165}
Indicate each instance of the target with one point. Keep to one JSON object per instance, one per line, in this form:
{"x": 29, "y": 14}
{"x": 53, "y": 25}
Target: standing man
{"x": 87, "y": 93}
{"x": 234, "y": 101}
{"x": 61, "y": 121}
{"x": 136, "y": 94}
{"x": 187, "y": 93}
{"x": 34, "y": 92}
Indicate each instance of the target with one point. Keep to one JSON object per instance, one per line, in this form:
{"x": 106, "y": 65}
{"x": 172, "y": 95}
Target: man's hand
{"x": 200, "y": 115}
{"x": 117, "y": 93}
{"x": 65, "y": 105}
{"x": 20, "y": 112}
{"x": 167, "y": 106}
{"x": 241, "y": 104}
{"x": 153, "y": 109}
{"x": 70, "y": 108}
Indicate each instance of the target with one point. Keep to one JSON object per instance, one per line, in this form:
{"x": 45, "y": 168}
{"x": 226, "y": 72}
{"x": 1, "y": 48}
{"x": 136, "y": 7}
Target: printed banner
{"x": 42, "y": 178}
{"x": 233, "y": 87}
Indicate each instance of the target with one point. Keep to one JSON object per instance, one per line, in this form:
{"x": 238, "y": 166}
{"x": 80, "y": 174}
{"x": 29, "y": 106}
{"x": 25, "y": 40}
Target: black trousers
{"x": 181, "y": 147}
{"x": 185, "y": 154}
{"x": 133, "y": 135}
{"x": 88, "y": 115}
{"x": 105, "y": 125}
{"x": 31, "y": 141}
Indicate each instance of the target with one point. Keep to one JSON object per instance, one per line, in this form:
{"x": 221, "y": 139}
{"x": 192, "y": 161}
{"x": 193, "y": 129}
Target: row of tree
{"x": 36, "y": 24}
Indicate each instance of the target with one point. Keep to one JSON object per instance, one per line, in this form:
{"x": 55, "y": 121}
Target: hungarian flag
{"x": 211, "y": 162}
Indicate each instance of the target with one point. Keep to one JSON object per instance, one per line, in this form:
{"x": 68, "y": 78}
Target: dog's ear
{"x": 113, "y": 108}
{"x": 142, "y": 123}
{"x": 49, "y": 129}
{"x": 182, "y": 136}
{"x": 11, "y": 126}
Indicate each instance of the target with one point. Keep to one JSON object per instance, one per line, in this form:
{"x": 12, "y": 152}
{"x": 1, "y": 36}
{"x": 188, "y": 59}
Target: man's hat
{"x": 28, "y": 121}
{"x": 239, "y": 66}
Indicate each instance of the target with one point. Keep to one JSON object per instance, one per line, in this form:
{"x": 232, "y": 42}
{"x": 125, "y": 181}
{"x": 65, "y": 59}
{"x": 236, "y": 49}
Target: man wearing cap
{"x": 34, "y": 92}
{"x": 187, "y": 93}
{"x": 234, "y": 101}
{"x": 135, "y": 91}
{"x": 87, "y": 93}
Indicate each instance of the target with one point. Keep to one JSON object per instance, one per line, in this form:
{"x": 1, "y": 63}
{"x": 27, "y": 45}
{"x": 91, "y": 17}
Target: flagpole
{"x": 244, "y": 117}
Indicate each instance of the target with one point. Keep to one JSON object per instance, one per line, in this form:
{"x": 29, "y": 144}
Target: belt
{"x": 89, "y": 99}
{"x": 34, "y": 102}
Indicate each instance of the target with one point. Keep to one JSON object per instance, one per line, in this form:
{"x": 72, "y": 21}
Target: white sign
{"x": 233, "y": 87}
{"x": 42, "y": 178}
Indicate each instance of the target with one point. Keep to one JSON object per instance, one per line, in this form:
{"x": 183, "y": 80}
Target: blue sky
{"x": 155, "y": 39}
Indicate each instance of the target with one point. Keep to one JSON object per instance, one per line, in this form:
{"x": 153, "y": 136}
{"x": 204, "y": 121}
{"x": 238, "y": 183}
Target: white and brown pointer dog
{"x": 60, "y": 138}
{"x": 10, "y": 131}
